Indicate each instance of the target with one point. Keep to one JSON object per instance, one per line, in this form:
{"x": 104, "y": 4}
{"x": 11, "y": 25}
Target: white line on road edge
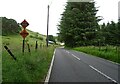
{"x": 103, "y": 74}
{"x": 50, "y": 69}
{"x": 75, "y": 56}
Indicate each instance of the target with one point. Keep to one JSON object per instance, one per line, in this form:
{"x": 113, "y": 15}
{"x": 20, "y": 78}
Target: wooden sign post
{"x": 24, "y": 33}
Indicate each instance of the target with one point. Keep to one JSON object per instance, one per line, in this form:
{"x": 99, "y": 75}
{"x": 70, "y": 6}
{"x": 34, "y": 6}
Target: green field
{"x": 109, "y": 52}
{"x": 30, "y": 67}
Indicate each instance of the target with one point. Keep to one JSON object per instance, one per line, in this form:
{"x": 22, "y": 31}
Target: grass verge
{"x": 111, "y": 53}
{"x": 0, "y": 59}
{"x": 30, "y": 67}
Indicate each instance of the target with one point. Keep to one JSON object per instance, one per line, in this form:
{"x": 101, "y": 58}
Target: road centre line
{"x": 102, "y": 74}
{"x": 75, "y": 57}
{"x": 99, "y": 58}
{"x": 96, "y": 70}
{"x": 67, "y": 51}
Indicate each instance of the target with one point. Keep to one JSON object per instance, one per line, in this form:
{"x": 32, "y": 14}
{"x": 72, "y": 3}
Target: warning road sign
{"x": 24, "y": 24}
{"x": 24, "y": 33}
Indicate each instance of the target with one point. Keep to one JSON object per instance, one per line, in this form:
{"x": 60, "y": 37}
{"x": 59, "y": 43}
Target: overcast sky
{"x": 35, "y": 12}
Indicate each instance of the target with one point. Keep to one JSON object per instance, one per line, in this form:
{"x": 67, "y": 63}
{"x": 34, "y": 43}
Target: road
{"x": 73, "y": 66}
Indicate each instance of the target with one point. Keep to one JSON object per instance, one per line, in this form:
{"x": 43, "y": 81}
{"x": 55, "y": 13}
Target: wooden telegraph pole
{"x": 47, "y": 26}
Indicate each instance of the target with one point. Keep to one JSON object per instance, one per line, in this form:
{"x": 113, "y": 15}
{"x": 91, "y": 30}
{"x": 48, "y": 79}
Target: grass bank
{"x": 30, "y": 67}
{"x": 109, "y": 52}
{"x": 0, "y": 59}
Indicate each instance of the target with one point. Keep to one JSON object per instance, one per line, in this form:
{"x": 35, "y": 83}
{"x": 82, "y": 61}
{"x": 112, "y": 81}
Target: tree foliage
{"x": 51, "y": 38}
{"x": 78, "y": 24}
{"x": 109, "y": 34}
{"x": 79, "y": 27}
{"x": 9, "y": 26}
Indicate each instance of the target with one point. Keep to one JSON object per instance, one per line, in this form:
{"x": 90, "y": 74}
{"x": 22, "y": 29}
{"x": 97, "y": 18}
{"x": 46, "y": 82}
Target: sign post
{"x": 23, "y": 45}
{"x": 36, "y": 46}
{"x": 24, "y": 33}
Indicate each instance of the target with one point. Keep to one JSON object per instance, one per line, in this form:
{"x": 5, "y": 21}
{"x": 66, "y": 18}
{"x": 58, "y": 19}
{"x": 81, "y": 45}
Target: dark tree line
{"x": 109, "y": 34}
{"x": 79, "y": 27}
{"x": 9, "y": 26}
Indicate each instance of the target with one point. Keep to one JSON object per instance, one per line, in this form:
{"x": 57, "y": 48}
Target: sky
{"x": 35, "y": 12}
{"x": 119, "y": 10}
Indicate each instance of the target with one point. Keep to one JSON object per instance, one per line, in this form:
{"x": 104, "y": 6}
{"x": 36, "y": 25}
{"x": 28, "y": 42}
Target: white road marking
{"x": 102, "y": 74}
{"x": 67, "y": 51}
{"x": 50, "y": 69}
{"x": 99, "y": 58}
{"x": 75, "y": 57}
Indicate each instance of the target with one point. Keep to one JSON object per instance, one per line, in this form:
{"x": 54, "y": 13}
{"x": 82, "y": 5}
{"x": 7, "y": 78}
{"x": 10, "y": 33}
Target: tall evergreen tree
{"x": 78, "y": 24}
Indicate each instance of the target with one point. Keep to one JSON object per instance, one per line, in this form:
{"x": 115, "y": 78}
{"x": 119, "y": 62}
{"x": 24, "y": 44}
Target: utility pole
{"x": 47, "y": 26}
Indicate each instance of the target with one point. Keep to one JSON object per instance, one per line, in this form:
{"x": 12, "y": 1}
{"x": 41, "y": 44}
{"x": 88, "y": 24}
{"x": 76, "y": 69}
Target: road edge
{"x": 50, "y": 69}
{"x": 99, "y": 58}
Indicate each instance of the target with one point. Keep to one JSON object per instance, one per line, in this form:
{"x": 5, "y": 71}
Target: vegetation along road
{"x": 80, "y": 31}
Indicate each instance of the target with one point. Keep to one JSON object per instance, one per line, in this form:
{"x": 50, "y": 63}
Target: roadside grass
{"x": 30, "y": 67}
{"x": 109, "y": 54}
{"x": 0, "y": 59}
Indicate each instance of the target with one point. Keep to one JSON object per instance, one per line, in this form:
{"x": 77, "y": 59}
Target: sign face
{"x": 24, "y": 33}
{"x": 24, "y": 24}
